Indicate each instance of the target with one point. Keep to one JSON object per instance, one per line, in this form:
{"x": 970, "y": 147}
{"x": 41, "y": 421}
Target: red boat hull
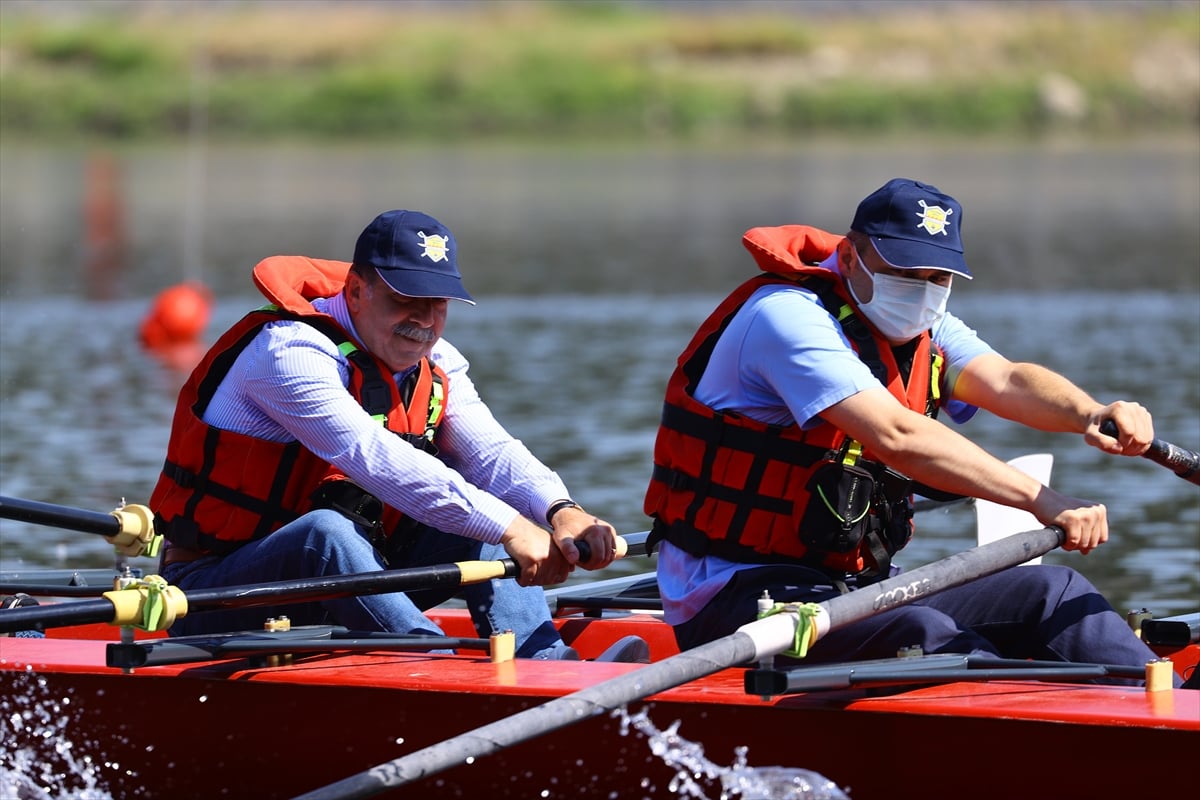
{"x": 227, "y": 730}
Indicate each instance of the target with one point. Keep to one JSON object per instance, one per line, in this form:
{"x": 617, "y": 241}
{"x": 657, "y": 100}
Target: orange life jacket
{"x": 731, "y": 486}
{"x": 218, "y": 488}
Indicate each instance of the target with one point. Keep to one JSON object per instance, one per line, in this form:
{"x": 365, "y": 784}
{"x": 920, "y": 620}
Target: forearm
{"x": 935, "y": 455}
{"x": 1027, "y": 393}
{"x": 474, "y": 443}
{"x": 420, "y": 485}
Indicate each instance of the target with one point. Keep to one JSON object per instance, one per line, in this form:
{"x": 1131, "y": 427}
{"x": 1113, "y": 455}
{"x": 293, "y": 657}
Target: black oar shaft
{"x": 289, "y": 592}
{"x": 1184, "y": 463}
{"x": 741, "y": 647}
{"x": 129, "y": 528}
{"x": 75, "y": 519}
{"x": 303, "y": 590}
{"x": 55, "y": 615}
{"x": 953, "y": 570}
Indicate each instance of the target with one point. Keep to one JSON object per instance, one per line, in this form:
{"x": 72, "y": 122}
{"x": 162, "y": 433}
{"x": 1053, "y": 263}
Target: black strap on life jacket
{"x": 270, "y": 512}
{"x": 855, "y": 329}
{"x": 868, "y": 352}
{"x": 768, "y": 444}
{"x": 376, "y": 394}
{"x": 376, "y": 399}
{"x": 423, "y": 440}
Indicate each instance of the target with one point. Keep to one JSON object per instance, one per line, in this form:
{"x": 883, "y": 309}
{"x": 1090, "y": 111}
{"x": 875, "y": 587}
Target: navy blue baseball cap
{"x": 913, "y": 226}
{"x": 414, "y": 254}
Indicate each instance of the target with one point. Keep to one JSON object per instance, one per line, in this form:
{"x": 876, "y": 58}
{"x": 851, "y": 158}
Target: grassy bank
{"x": 594, "y": 70}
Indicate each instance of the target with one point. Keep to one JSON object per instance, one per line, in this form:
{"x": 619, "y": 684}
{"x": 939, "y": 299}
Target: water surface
{"x": 592, "y": 270}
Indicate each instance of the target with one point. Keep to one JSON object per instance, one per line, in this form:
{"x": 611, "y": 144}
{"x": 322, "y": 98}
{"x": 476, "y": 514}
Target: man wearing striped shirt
{"x": 464, "y": 488}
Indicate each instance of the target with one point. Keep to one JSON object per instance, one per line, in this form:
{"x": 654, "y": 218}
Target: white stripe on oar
{"x": 759, "y": 639}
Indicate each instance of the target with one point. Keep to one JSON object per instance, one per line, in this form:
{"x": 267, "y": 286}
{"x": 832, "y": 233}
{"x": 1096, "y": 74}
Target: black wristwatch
{"x": 557, "y": 506}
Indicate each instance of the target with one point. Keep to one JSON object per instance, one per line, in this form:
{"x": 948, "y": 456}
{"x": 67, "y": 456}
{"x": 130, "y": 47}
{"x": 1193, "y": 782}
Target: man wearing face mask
{"x": 804, "y": 414}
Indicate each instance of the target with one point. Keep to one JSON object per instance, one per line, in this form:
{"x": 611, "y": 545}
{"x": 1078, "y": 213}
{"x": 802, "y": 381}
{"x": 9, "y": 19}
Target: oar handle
{"x": 129, "y": 528}
{"x": 585, "y": 550}
{"x": 1184, "y": 463}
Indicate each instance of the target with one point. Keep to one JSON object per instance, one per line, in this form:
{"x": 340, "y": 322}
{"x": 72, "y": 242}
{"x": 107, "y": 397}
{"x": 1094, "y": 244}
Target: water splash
{"x": 37, "y": 757}
{"x": 694, "y": 770}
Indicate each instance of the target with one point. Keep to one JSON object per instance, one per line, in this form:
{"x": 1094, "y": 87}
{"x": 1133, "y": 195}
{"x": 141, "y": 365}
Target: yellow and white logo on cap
{"x": 934, "y": 219}
{"x": 436, "y": 247}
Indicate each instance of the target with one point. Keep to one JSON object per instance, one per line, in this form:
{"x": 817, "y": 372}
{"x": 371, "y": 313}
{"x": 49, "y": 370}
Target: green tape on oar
{"x": 150, "y": 604}
{"x": 806, "y": 631}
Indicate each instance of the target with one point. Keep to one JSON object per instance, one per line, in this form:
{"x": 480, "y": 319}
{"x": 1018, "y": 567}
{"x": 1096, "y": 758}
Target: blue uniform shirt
{"x": 783, "y": 359}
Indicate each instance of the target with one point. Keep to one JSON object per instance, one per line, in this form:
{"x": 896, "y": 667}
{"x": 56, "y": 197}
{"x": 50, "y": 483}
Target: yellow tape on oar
{"x": 150, "y": 604}
{"x": 806, "y": 631}
{"x": 479, "y": 571}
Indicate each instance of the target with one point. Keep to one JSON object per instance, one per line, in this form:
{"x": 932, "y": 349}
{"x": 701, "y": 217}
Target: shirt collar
{"x": 336, "y": 307}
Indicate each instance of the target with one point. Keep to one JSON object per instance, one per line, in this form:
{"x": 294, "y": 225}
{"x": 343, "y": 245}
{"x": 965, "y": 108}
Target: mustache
{"x": 424, "y": 335}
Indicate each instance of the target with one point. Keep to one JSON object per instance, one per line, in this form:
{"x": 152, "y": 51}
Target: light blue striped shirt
{"x": 289, "y": 384}
{"x": 784, "y": 358}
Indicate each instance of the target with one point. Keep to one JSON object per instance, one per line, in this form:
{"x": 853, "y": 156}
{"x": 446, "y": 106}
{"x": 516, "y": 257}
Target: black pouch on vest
{"x": 353, "y": 502}
{"x": 838, "y": 513}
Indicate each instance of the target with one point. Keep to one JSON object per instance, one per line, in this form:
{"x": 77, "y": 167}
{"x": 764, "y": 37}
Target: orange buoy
{"x": 179, "y": 315}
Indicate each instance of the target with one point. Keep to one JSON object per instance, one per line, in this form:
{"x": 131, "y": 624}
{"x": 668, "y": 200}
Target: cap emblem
{"x": 436, "y": 247}
{"x": 934, "y": 219}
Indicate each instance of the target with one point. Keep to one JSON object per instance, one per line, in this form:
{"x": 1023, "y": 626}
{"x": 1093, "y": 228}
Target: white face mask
{"x": 901, "y": 308}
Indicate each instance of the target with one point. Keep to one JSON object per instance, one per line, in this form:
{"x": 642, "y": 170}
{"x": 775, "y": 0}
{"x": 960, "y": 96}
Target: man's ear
{"x": 845, "y": 254}
{"x": 355, "y": 289}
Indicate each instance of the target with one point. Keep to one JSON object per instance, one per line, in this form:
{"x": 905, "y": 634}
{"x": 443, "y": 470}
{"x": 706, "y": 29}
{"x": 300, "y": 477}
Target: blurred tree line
{"x": 133, "y": 71}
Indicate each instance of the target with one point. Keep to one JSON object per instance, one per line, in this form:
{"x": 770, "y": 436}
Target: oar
{"x": 125, "y": 607}
{"x": 1184, "y": 463}
{"x": 129, "y": 528}
{"x": 129, "y": 606}
{"x": 96, "y": 582}
{"x": 764, "y": 638}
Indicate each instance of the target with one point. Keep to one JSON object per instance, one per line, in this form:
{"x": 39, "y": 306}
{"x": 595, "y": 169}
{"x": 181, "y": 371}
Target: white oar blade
{"x": 994, "y": 521}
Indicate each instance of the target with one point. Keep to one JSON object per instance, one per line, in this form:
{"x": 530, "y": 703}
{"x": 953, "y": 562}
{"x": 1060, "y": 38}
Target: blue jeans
{"x": 1037, "y": 611}
{"x": 326, "y": 543}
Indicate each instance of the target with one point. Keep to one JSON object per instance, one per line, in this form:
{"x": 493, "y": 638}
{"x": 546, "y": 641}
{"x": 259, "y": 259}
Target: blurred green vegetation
{"x": 594, "y": 70}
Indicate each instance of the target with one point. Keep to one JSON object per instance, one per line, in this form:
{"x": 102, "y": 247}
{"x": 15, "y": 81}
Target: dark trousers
{"x": 1035, "y": 611}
